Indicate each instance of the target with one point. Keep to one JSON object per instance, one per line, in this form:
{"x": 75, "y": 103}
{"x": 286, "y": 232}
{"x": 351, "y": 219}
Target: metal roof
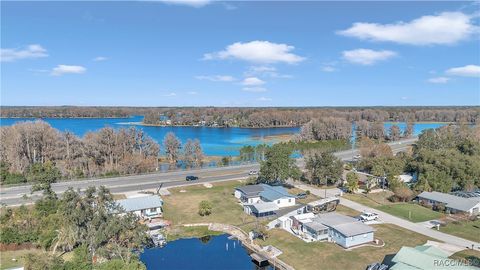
{"x": 451, "y": 201}
{"x": 263, "y": 207}
{"x": 316, "y": 226}
{"x": 345, "y": 225}
{"x": 421, "y": 258}
{"x": 250, "y": 190}
{"x": 140, "y": 203}
{"x": 269, "y": 193}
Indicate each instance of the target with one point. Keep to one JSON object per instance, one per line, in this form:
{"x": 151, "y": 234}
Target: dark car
{"x": 191, "y": 178}
{"x": 301, "y": 195}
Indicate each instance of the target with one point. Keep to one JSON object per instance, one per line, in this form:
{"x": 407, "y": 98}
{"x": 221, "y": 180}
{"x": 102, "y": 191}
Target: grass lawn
{"x": 371, "y": 199}
{"x": 6, "y": 257}
{"x": 323, "y": 255}
{"x": 189, "y": 232}
{"x": 410, "y": 211}
{"x": 465, "y": 229}
{"x": 379, "y": 201}
{"x": 472, "y": 256}
{"x": 182, "y": 207}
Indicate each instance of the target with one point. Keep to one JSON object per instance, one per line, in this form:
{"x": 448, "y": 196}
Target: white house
{"x": 453, "y": 204}
{"x": 145, "y": 207}
{"x": 260, "y": 199}
{"x": 343, "y": 230}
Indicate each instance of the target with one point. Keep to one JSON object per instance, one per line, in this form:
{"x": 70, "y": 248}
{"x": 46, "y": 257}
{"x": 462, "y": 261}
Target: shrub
{"x": 205, "y": 208}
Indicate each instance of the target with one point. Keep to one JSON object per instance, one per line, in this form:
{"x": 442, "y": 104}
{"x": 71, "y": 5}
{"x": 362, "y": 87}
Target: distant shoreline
{"x": 40, "y": 118}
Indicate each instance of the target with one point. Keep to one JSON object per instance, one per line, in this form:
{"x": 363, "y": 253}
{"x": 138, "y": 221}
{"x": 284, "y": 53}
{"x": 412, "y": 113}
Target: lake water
{"x": 215, "y": 141}
{"x": 217, "y": 252}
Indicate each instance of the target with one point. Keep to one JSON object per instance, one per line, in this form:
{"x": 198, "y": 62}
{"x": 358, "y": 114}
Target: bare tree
{"x": 172, "y": 146}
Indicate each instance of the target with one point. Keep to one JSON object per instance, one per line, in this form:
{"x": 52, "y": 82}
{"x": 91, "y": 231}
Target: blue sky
{"x": 201, "y": 53}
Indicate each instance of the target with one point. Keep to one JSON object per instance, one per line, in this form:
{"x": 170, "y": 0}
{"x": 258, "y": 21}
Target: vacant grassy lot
{"x": 7, "y": 257}
{"x": 409, "y": 211}
{"x": 371, "y": 199}
{"x": 182, "y": 207}
{"x": 323, "y": 255}
{"x": 466, "y": 229}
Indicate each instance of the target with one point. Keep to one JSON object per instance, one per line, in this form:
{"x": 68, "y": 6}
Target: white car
{"x": 367, "y": 216}
{"x": 252, "y": 173}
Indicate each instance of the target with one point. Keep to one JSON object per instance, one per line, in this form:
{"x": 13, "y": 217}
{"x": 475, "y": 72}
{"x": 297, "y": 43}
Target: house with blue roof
{"x": 263, "y": 200}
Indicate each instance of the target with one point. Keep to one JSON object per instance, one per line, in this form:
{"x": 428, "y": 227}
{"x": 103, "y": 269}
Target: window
{"x": 278, "y": 202}
{"x": 153, "y": 209}
{"x": 289, "y": 200}
{"x": 351, "y": 238}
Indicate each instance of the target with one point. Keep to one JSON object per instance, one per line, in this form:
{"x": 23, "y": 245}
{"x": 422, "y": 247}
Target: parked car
{"x": 253, "y": 172}
{"x": 367, "y": 216}
{"x": 301, "y": 195}
{"x": 191, "y": 178}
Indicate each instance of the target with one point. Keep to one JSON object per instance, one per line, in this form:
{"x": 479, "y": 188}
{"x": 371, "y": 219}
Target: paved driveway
{"x": 387, "y": 218}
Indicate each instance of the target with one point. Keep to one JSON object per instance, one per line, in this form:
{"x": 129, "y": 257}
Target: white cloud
{"x": 439, "y": 80}
{"x": 257, "y": 52}
{"x": 31, "y": 51}
{"x": 252, "y": 81}
{"x": 191, "y": 3}
{"x": 404, "y": 98}
{"x": 465, "y": 71}
{"x": 172, "y": 94}
{"x": 366, "y": 56}
{"x": 265, "y": 71}
{"x": 66, "y": 69}
{"x": 328, "y": 69}
{"x": 254, "y": 89}
{"x": 192, "y": 92}
{"x": 264, "y": 99}
{"x": 444, "y": 28}
{"x": 216, "y": 78}
{"x": 100, "y": 58}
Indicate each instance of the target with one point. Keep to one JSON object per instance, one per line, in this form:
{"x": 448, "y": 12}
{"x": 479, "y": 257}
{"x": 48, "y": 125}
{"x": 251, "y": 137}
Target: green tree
{"x": 205, "y": 208}
{"x": 247, "y": 153}
{"x": 324, "y": 168}
{"x": 352, "y": 182}
{"x": 278, "y": 165}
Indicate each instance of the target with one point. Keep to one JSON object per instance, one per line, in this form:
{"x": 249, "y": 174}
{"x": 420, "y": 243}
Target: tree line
{"x": 443, "y": 159}
{"x": 253, "y": 117}
{"x": 33, "y": 151}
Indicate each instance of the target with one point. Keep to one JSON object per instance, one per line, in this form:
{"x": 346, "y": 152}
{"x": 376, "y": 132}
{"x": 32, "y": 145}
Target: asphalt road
{"x": 15, "y": 195}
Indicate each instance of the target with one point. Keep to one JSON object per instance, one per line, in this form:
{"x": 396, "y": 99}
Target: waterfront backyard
{"x": 324, "y": 255}
{"x": 181, "y": 207}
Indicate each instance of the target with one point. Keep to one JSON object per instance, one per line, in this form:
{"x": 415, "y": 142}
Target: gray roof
{"x": 263, "y": 207}
{"x": 345, "y": 225}
{"x": 251, "y": 190}
{"x": 451, "y": 201}
{"x": 269, "y": 193}
{"x": 316, "y": 226}
{"x": 272, "y": 193}
{"x": 140, "y": 203}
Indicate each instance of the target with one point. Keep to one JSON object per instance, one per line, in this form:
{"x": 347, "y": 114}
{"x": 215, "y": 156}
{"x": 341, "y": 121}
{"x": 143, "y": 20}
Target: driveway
{"x": 387, "y": 218}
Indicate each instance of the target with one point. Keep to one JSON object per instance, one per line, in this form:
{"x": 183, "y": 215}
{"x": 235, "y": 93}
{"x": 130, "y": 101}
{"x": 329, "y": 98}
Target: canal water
{"x": 207, "y": 253}
{"x": 214, "y": 141}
